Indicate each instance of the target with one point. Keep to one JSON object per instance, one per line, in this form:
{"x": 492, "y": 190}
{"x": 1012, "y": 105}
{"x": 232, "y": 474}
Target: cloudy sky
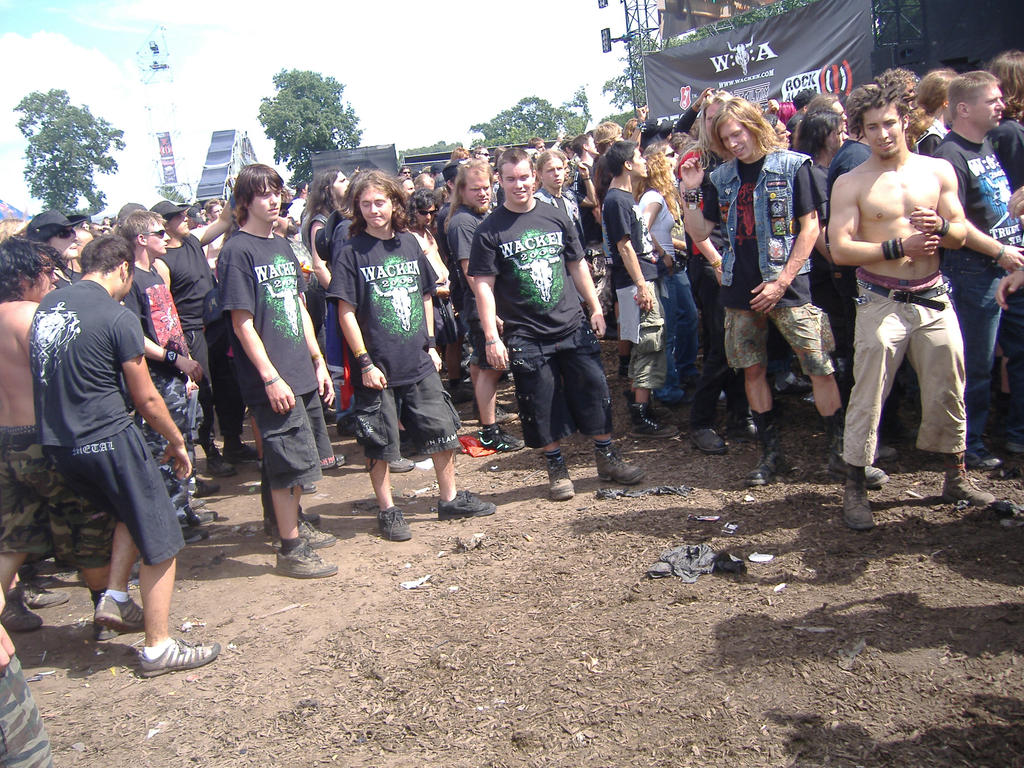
{"x": 415, "y": 72}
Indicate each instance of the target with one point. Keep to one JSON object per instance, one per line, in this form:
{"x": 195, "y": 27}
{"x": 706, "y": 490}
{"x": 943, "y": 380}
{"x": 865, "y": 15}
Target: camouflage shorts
{"x": 805, "y": 329}
{"x": 23, "y": 741}
{"x": 40, "y": 514}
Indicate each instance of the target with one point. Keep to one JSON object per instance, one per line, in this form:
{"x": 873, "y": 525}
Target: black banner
{"x": 825, "y": 46}
{"x": 380, "y": 157}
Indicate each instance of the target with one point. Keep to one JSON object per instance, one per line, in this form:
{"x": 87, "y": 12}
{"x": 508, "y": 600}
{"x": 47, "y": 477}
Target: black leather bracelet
{"x": 944, "y": 229}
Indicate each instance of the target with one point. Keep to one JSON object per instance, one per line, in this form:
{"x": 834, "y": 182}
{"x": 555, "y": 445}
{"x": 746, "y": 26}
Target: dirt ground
{"x": 541, "y": 642}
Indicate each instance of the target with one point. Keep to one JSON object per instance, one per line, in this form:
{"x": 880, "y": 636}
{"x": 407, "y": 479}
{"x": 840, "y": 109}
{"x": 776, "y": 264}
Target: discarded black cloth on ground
{"x": 635, "y": 493}
{"x": 689, "y": 561}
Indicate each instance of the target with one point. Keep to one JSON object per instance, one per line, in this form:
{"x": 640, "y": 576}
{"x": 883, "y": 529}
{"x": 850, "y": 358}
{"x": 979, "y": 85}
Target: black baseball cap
{"x": 49, "y": 223}
{"x": 167, "y": 209}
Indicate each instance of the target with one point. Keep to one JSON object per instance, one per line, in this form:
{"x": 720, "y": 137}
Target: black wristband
{"x": 944, "y": 229}
{"x": 891, "y": 249}
{"x": 365, "y": 363}
{"x": 431, "y": 342}
{"x": 170, "y": 356}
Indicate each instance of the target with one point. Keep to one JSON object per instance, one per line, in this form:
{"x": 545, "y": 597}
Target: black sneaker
{"x": 303, "y": 563}
{"x": 706, "y": 440}
{"x": 392, "y": 525}
{"x": 465, "y": 504}
{"x": 982, "y": 459}
{"x": 204, "y": 488}
{"x": 501, "y": 415}
{"x": 500, "y": 440}
{"x": 217, "y": 466}
{"x": 240, "y": 453}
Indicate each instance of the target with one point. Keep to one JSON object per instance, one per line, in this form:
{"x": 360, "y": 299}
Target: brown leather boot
{"x": 856, "y": 509}
{"x": 959, "y": 486}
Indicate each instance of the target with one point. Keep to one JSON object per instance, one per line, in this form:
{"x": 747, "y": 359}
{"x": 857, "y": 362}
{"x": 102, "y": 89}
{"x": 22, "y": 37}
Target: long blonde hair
{"x": 659, "y": 177}
{"x": 707, "y": 143}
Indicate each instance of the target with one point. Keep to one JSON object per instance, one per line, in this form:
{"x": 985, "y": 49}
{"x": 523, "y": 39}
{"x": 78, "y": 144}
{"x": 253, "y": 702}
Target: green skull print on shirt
{"x": 536, "y": 257}
{"x": 395, "y": 290}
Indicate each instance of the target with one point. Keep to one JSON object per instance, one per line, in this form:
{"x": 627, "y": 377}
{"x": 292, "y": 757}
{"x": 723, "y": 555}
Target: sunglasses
{"x": 66, "y": 233}
{"x": 431, "y": 212}
{"x": 158, "y": 233}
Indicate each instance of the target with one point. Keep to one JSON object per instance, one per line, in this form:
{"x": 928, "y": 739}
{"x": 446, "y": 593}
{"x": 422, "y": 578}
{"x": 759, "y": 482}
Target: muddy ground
{"x": 543, "y": 644}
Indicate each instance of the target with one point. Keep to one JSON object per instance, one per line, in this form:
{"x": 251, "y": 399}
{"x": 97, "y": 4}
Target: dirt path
{"x": 546, "y": 646}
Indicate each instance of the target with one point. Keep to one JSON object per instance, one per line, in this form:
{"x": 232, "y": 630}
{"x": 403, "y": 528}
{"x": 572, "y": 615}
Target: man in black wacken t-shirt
{"x": 190, "y": 280}
{"x": 765, "y": 268}
{"x": 84, "y": 344}
{"x": 383, "y": 283}
{"x": 471, "y": 201}
{"x": 281, "y": 372}
{"x": 528, "y": 266}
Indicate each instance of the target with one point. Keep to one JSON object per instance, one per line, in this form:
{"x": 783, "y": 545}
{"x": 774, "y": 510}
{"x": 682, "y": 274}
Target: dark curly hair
{"x": 23, "y": 260}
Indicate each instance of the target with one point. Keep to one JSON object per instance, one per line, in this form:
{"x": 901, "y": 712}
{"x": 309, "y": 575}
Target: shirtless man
{"x": 889, "y": 217}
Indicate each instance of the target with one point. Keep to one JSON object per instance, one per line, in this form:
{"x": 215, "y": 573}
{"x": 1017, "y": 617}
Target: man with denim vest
{"x": 765, "y": 199}
{"x": 889, "y": 216}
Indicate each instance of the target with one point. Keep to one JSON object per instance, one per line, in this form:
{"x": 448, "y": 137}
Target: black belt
{"x": 924, "y": 298}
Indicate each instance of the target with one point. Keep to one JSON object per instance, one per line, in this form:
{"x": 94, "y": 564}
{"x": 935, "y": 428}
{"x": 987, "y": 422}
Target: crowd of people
{"x": 845, "y": 236}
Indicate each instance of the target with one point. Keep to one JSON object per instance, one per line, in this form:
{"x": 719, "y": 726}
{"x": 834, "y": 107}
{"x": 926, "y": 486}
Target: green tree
{"x": 534, "y": 116}
{"x": 172, "y": 193}
{"x": 437, "y": 146}
{"x": 307, "y": 115}
{"x": 67, "y": 147}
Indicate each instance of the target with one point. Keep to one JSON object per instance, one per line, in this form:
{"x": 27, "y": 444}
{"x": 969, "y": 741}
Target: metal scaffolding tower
{"x": 642, "y": 30}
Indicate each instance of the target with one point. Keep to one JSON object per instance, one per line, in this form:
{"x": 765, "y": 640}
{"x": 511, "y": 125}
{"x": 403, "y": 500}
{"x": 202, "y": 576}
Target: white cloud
{"x": 414, "y": 72}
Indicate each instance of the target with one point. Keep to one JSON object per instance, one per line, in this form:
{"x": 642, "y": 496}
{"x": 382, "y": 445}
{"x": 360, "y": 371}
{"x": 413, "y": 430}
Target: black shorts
{"x": 290, "y": 454}
{"x": 561, "y": 387}
{"x": 424, "y": 408}
{"x": 118, "y": 474}
{"x": 479, "y": 345}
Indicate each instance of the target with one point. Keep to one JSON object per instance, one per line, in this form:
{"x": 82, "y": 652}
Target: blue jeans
{"x": 681, "y": 323}
{"x": 974, "y": 279}
{"x": 1011, "y": 339}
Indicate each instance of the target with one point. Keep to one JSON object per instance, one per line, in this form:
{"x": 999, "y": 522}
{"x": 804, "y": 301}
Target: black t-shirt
{"x": 535, "y": 296}
{"x": 80, "y": 339}
{"x": 821, "y": 269}
{"x": 1008, "y": 142}
{"x": 621, "y": 218}
{"x": 150, "y": 301}
{"x": 591, "y": 227}
{"x": 261, "y": 276}
{"x": 459, "y": 233}
{"x": 386, "y": 280}
{"x": 983, "y": 187}
{"x": 746, "y": 271}
{"x": 849, "y": 156}
{"x": 191, "y": 280}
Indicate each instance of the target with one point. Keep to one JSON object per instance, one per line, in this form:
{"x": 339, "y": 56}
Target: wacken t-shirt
{"x": 80, "y": 338}
{"x": 150, "y": 300}
{"x": 983, "y": 187}
{"x": 261, "y": 276}
{"x": 535, "y": 296}
{"x": 386, "y": 280}
{"x": 621, "y": 218}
